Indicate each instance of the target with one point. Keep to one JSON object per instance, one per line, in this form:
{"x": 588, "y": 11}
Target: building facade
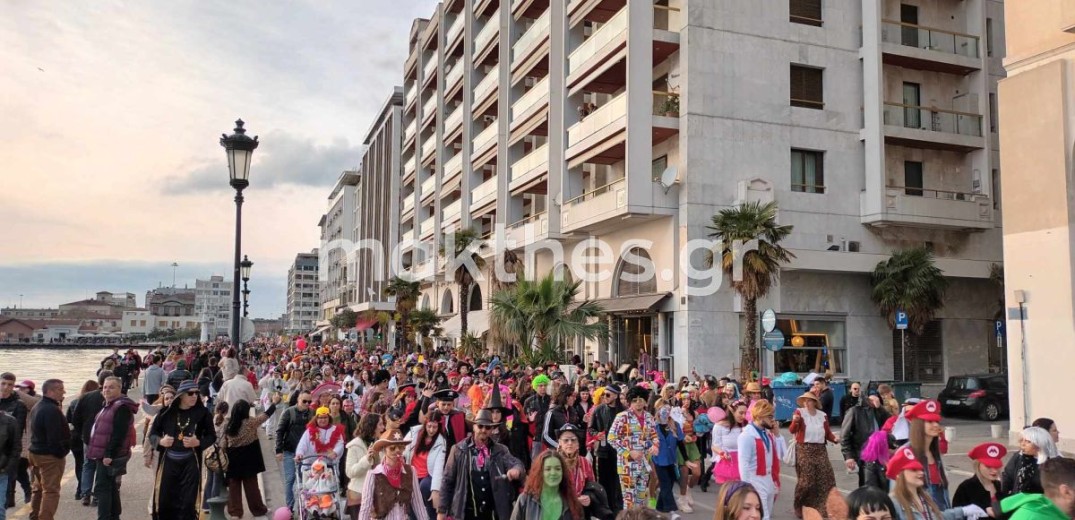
{"x": 29, "y": 314}
{"x": 561, "y": 130}
{"x": 336, "y": 251}
{"x": 1039, "y": 124}
{"x": 212, "y": 305}
{"x": 303, "y": 294}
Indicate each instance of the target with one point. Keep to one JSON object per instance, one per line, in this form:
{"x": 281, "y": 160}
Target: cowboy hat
{"x": 391, "y": 437}
{"x": 485, "y": 418}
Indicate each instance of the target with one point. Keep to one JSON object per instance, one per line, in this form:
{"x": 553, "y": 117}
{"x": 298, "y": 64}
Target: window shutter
{"x": 806, "y": 87}
{"x": 806, "y": 12}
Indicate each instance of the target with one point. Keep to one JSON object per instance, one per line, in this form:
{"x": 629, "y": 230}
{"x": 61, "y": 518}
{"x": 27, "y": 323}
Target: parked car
{"x": 985, "y": 395}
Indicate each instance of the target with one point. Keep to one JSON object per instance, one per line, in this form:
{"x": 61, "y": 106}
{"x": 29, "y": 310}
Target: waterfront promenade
{"x": 137, "y": 487}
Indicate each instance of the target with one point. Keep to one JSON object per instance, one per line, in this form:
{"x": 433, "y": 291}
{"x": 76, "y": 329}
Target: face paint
{"x": 553, "y": 472}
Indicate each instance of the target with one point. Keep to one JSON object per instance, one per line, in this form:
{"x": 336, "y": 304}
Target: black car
{"x": 986, "y": 395}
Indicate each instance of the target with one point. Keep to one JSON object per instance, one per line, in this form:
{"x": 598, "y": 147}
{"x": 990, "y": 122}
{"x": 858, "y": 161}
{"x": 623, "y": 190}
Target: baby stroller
{"x": 317, "y": 490}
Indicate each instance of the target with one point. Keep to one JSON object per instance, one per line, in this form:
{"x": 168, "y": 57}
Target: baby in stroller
{"x": 320, "y": 488}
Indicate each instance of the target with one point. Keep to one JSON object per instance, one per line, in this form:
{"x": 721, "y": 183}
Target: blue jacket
{"x": 669, "y": 439}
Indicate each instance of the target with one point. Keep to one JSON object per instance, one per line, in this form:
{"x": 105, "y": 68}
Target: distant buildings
{"x": 212, "y": 304}
{"x": 337, "y": 235}
{"x": 303, "y": 300}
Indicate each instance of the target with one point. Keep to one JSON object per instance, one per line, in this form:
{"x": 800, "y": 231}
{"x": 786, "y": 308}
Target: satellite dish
{"x": 556, "y": 199}
{"x": 669, "y": 177}
{"x": 246, "y": 330}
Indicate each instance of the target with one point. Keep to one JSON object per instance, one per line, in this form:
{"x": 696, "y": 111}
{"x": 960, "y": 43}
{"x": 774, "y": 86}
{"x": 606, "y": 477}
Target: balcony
{"x": 531, "y": 46}
{"x": 486, "y": 37}
{"x": 429, "y": 71}
{"x": 606, "y": 44}
{"x": 484, "y": 143}
{"x": 585, "y": 211}
{"x": 528, "y": 112}
{"x": 409, "y": 168}
{"x": 484, "y": 194}
{"x": 450, "y": 213}
{"x": 933, "y": 128}
{"x": 485, "y": 91}
{"x": 429, "y": 149}
{"x": 529, "y": 170}
{"x": 407, "y": 236}
{"x": 408, "y": 204}
{"x": 453, "y": 79}
{"x": 527, "y": 231}
{"x": 600, "y": 137}
{"x": 452, "y": 168}
{"x": 927, "y": 48}
{"x": 453, "y": 125}
{"x": 429, "y": 109}
{"x": 426, "y": 229}
{"x": 411, "y": 95}
{"x": 667, "y": 18}
{"x": 454, "y": 31}
{"x": 429, "y": 188}
{"x": 927, "y": 208}
{"x": 410, "y": 132}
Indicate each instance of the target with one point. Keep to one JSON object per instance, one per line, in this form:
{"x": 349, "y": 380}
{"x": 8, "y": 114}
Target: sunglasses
{"x": 484, "y": 427}
{"x": 193, "y": 393}
{"x": 306, "y": 401}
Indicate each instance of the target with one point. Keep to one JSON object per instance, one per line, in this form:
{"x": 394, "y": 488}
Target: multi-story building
{"x": 1039, "y": 122}
{"x": 377, "y": 207}
{"x": 546, "y": 124}
{"x": 212, "y": 304}
{"x": 30, "y": 314}
{"x": 303, "y": 294}
{"x": 337, "y": 246}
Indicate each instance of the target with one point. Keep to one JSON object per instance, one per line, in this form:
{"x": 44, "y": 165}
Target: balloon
{"x": 716, "y": 414}
{"x": 282, "y": 513}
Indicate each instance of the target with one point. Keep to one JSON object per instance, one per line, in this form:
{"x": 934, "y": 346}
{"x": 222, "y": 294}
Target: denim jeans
{"x": 89, "y": 471}
{"x": 289, "y": 479}
{"x": 3, "y": 485}
{"x": 666, "y": 499}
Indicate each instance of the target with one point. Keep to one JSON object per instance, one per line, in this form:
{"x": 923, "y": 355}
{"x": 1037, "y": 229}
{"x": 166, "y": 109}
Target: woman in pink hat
{"x": 925, "y": 441}
{"x": 912, "y": 500}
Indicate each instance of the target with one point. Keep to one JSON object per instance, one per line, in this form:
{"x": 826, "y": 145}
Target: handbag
{"x": 789, "y": 454}
{"x": 216, "y": 458}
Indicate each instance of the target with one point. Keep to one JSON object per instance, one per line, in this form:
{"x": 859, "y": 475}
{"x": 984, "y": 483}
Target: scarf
{"x": 394, "y": 474}
{"x": 315, "y": 437}
{"x": 483, "y": 455}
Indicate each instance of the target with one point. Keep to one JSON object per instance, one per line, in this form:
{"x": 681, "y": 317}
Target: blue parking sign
{"x": 999, "y": 327}
{"x": 901, "y": 319}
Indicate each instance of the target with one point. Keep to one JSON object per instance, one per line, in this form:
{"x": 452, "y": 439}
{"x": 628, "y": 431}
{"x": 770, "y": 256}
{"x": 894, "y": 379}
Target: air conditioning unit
{"x": 853, "y": 246}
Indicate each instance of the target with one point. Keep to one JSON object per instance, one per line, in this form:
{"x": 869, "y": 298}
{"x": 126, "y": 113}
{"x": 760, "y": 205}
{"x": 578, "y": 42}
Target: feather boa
{"x": 315, "y": 438}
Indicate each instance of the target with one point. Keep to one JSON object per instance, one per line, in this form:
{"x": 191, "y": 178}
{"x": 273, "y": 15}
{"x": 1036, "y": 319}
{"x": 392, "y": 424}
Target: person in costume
{"x": 478, "y": 476}
{"x": 180, "y": 433}
{"x": 453, "y": 420}
{"x": 1021, "y": 474}
{"x": 321, "y": 438}
{"x": 608, "y": 406}
{"x": 547, "y": 494}
{"x": 810, "y": 426}
{"x": 912, "y": 499}
{"x": 503, "y": 414}
{"x": 760, "y": 448}
{"x": 925, "y": 440}
{"x": 983, "y": 489}
{"x": 633, "y": 435}
{"x": 536, "y": 406}
{"x": 391, "y": 491}
{"x": 1058, "y": 501}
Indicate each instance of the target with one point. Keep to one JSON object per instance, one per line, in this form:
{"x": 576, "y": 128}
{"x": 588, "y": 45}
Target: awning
{"x": 629, "y": 304}
{"x": 320, "y": 331}
{"x": 362, "y": 325}
{"x": 477, "y": 323}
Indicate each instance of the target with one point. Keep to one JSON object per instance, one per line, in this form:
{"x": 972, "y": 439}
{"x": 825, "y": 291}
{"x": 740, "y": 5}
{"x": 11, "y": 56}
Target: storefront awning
{"x": 477, "y": 324}
{"x": 320, "y": 331}
{"x": 632, "y": 304}
{"x": 362, "y": 325}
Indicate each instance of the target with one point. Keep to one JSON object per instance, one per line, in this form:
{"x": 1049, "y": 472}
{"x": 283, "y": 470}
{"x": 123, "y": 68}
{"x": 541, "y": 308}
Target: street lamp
{"x": 245, "y": 266}
{"x": 240, "y": 149}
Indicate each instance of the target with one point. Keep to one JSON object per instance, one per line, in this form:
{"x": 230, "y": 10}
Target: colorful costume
{"x": 631, "y": 431}
{"x": 759, "y": 464}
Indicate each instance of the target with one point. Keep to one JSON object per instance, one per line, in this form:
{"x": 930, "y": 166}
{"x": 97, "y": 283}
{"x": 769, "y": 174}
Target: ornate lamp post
{"x": 245, "y": 266}
{"x": 240, "y": 149}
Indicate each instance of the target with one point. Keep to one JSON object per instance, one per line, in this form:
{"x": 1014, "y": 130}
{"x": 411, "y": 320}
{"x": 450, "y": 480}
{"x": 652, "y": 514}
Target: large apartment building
{"x": 212, "y": 304}
{"x": 552, "y": 124}
{"x": 303, "y": 295}
{"x": 337, "y": 234}
{"x": 1039, "y": 128}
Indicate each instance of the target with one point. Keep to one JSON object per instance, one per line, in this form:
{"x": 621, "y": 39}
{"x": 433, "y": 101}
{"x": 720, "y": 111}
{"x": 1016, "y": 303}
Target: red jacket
{"x": 798, "y": 428}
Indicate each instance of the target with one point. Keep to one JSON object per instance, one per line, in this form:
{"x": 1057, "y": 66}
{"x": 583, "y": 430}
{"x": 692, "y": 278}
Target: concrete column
{"x": 639, "y": 153}
{"x": 557, "y": 101}
{"x": 506, "y": 212}
{"x": 872, "y": 133}
{"x": 468, "y": 182}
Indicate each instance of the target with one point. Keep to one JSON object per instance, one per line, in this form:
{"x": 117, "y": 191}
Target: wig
{"x": 876, "y": 448}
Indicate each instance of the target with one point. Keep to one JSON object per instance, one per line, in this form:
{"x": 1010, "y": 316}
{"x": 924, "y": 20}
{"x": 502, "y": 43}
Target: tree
{"x": 406, "y": 293}
{"x": 425, "y": 322}
{"x": 513, "y": 268}
{"x": 460, "y": 245}
{"x": 541, "y": 316}
{"x": 909, "y": 281}
{"x": 737, "y": 229}
{"x": 344, "y": 319}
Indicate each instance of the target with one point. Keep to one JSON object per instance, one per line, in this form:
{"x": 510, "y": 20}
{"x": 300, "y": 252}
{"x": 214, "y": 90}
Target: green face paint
{"x": 553, "y": 472}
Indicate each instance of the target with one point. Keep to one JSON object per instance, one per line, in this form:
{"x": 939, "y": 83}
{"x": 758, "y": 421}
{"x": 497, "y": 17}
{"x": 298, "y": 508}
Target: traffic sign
{"x": 999, "y": 327}
{"x": 901, "y": 319}
{"x": 768, "y": 320}
{"x": 773, "y": 340}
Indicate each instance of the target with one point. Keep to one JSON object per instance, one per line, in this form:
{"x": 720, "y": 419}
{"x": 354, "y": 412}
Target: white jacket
{"x": 434, "y": 461}
{"x": 358, "y": 464}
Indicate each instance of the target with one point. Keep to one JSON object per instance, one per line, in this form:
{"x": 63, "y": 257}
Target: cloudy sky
{"x": 110, "y": 166}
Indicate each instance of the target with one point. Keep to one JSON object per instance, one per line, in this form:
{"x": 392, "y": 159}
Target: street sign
{"x": 768, "y": 320}
{"x": 773, "y": 340}
{"x": 901, "y": 319}
{"x": 999, "y": 327}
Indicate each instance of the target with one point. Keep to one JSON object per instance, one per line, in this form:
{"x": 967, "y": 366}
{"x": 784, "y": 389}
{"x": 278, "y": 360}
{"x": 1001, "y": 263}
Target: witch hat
{"x": 496, "y": 402}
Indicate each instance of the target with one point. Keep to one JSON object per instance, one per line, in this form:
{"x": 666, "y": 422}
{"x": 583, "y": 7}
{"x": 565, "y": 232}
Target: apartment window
{"x": 807, "y": 171}
{"x": 806, "y": 12}
{"x": 660, "y": 164}
{"x": 988, "y": 36}
{"x": 912, "y": 178}
{"x": 992, "y": 112}
{"x": 806, "y": 87}
{"x": 133, "y": 323}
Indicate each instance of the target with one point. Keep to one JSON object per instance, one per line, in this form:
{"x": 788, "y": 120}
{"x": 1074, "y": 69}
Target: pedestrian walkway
{"x": 136, "y": 490}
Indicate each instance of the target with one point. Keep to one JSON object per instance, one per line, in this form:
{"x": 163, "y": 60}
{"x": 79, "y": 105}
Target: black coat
{"x": 860, "y": 423}
{"x": 454, "y": 487}
{"x": 245, "y": 461}
{"x": 1021, "y": 475}
{"x": 971, "y": 491}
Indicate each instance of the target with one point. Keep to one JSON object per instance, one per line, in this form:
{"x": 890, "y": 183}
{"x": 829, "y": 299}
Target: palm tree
{"x": 544, "y": 315}
{"x": 406, "y": 293}
{"x": 909, "y": 281}
{"x": 736, "y": 228}
{"x": 465, "y": 243}
{"x": 512, "y": 267}
{"x": 425, "y": 322}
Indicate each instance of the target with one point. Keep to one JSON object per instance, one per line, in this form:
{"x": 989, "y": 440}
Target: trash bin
{"x": 785, "y": 399}
{"x": 904, "y": 390}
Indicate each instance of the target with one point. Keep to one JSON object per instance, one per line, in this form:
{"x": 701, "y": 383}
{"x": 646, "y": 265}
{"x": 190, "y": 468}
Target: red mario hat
{"x": 927, "y": 410}
{"x": 903, "y": 459}
{"x": 991, "y": 454}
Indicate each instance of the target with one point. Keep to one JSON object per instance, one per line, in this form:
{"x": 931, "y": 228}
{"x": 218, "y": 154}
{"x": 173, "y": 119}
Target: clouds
{"x": 280, "y": 159}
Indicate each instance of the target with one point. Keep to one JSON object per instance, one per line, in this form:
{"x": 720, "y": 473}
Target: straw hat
{"x": 391, "y": 437}
{"x": 807, "y": 395}
{"x": 752, "y": 387}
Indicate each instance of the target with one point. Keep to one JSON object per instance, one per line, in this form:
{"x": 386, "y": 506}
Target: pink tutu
{"x": 727, "y": 469}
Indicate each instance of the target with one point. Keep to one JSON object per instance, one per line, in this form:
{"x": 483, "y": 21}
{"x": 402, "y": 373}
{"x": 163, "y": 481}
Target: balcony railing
{"x": 665, "y": 103}
{"x": 454, "y": 119}
{"x": 485, "y": 189}
{"x": 408, "y": 236}
{"x": 426, "y": 227}
{"x": 600, "y": 118}
{"x": 456, "y": 28}
{"x": 939, "y": 194}
{"x": 928, "y": 38}
{"x": 527, "y": 220}
{"x": 408, "y": 167}
{"x": 451, "y": 211}
{"x": 412, "y": 92}
{"x": 611, "y": 29}
{"x": 429, "y": 147}
{"x": 666, "y": 18}
{"x": 488, "y": 32}
{"x": 430, "y": 67}
{"x": 530, "y": 98}
{"x": 428, "y": 186}
{"x": 933, "y": 119}
{"x": 409, "y": 132}
{"x": 454, "y": 75}
{"x": 530, "y": 161}
{"x": 485, "y": 137}
{"x": 486, "y": 85}
{"x": 430, "y": 106}
{"x": 608, "y": 188}
{"x": 538, "y": 30}
{"x": 408, "y": 203}
{"x": 454, "y": 165}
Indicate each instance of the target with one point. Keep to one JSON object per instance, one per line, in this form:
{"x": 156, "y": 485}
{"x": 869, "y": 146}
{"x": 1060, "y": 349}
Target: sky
{"x": 110, "y": 118}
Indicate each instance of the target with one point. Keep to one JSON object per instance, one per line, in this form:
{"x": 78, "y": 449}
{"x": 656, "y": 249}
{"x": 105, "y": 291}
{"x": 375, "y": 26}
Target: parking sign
{"x": 901, "y": 319}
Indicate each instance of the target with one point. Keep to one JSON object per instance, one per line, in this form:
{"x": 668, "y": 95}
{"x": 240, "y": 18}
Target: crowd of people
{"x": 375, "y": 434}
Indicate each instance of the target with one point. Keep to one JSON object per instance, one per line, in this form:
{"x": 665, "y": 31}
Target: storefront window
{"x": 811, "y": 345}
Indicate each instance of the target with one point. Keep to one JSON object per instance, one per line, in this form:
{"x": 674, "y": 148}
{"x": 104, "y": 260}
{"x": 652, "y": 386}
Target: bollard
{"x": 996, "y": 430}
{"x": 950, "y": 433}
